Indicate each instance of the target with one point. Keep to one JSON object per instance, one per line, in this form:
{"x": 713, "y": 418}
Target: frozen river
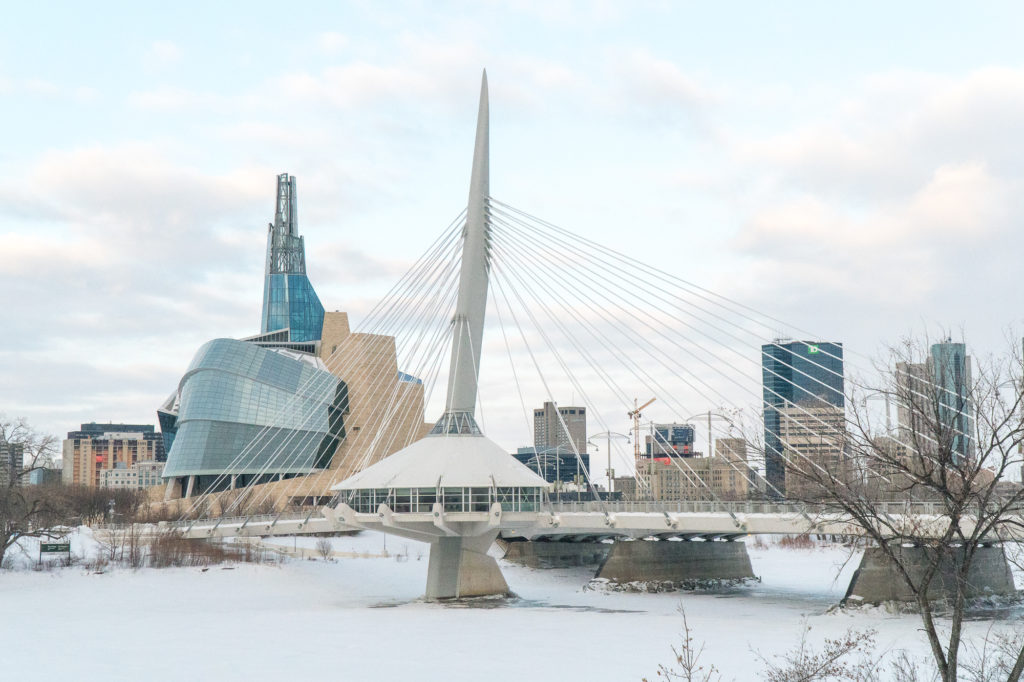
{"x": 361, "y": 619}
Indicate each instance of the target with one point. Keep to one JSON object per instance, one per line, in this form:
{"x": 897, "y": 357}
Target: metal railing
{"x": 712, "y": 507}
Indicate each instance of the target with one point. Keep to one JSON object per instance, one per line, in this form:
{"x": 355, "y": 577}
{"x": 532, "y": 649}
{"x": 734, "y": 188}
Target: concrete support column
{"x": 234, "y": 477}
{"x": 460, "y": 567}
{"x": 191, "y": 484}
{"x": 173, "y": 489}
{"x": 878, "y": 580}
{"x": 675, "y": 561}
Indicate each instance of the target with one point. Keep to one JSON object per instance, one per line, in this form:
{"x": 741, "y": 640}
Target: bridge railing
{"x": 712, "y": 507}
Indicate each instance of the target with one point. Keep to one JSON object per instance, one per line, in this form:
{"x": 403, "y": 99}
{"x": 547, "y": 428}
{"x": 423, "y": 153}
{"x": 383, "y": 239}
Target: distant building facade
{"x": 944, "y": 377}
{"x": 12, "y": 462}
{"x": 136, "y": 477}
{"x": 673, "y": 479}
{"x": 95, "y": 448}
{"x": 796, "y": 372}
{"x": 560, "y": 427}
{"x": 670, "y": 440}
{"x": 556, "y": 464}
{"x": 813, "y": 438}
{"x": 45, "y": 476}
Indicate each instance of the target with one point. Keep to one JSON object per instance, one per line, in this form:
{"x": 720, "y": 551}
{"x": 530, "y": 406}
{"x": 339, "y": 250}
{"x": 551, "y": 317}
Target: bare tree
{"x": 324, "y": 548}
{"x": 25, "y": 511}
{"x": 958, "y": 438}
{"x": 846, "y": 658}
{"x": 687, "y": 665}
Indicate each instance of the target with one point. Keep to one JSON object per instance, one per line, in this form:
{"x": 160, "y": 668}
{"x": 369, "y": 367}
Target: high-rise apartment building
{"x": 11, "y": 464}
{"x": 802, "y": 373}
{"x": 560, "y": 427}
{"x": 96, "y": 448}
{"x": 938, "y": 386}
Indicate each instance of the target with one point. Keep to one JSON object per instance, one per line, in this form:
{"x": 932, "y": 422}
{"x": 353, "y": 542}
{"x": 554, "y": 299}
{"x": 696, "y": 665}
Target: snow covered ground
{"x": 361, "y": 619}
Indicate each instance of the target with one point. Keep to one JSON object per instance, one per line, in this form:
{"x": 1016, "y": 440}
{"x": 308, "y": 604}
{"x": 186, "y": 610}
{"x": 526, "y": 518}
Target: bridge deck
{"x": 591, "y": 521}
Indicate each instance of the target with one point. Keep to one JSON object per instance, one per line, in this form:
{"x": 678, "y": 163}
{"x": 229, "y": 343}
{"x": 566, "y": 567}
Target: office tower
{"x": 942, "y": 385}
{"x": 560, "y": 427}
{"x": 802, "y": 374}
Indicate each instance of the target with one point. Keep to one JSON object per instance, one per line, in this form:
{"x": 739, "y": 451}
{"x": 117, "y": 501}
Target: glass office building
{"x": 951, "y": 372}
{"x": 254, "y": 413}
{"x": 556, "y": 464}
{"x": 796, "y": 372}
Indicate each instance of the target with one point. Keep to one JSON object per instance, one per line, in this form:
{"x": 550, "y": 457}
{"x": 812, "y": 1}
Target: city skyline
{"x": 136, "y": 232}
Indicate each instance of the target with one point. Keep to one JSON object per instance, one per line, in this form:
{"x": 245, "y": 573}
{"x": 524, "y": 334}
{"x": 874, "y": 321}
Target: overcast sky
{"x": 855, "y": 169}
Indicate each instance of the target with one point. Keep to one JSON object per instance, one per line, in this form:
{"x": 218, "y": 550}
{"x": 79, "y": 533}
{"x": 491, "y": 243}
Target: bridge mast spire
{"x": 468, "y": 323}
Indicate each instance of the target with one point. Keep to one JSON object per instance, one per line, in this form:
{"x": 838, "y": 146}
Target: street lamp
{"x": 711, "y": 414}
{"x": 608, "y": 435}
{"x": 888, "y": 417}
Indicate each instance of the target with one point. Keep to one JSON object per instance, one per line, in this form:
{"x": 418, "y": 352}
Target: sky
{"x": 852, "y": 169}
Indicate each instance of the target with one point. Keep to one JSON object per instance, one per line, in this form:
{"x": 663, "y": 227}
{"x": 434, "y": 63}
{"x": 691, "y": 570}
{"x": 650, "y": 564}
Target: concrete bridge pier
{"x": 685, "y": 562}
{"x": 460, "y": 567}
{"x": 555, "y": 553}
{"x": 877, "y": 579}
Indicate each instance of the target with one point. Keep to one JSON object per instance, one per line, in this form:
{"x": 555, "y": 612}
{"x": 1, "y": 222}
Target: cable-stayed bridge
{"x": 567, "y": 315}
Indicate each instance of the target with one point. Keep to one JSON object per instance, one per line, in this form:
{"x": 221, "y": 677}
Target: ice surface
{"x": 361, "y": 619}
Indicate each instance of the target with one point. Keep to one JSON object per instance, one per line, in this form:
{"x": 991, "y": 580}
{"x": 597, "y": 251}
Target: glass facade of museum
{"x": 247, "y": 410}
{"x": 289, "y": 302}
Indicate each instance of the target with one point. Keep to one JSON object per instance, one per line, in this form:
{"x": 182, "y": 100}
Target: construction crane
{"x": 635, "y": 415}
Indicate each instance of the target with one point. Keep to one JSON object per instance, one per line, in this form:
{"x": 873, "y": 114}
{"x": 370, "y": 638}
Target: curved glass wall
{"x": 249, "y": 410}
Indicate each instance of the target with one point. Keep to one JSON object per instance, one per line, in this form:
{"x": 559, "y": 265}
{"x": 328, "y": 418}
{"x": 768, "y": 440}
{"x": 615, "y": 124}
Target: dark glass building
{"x": 556, "y": 464}
{"x": 951, "y": 373}
{"x": 796, "y": 372}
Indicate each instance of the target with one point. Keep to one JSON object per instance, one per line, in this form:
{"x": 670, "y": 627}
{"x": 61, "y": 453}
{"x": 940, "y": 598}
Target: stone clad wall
{"x": 878, "y": 580}
{"x": 665, "y": 560}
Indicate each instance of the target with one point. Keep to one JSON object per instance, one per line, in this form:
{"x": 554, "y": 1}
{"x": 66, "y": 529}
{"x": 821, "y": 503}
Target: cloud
{"x": 659, "y": 91}
{"x": 168, "y": 98}
{"x": 162, "y": 54}
{"x": 331, "y": 42}
{"x": 905, "y": 202}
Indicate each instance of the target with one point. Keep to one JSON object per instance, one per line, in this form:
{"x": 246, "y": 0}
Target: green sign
{"x": 55, "y": 547}
{"x": 811, "y": 348}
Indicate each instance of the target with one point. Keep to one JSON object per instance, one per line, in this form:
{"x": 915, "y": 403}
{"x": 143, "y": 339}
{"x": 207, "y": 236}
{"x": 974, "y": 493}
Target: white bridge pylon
{"x": 458, "y": 489}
